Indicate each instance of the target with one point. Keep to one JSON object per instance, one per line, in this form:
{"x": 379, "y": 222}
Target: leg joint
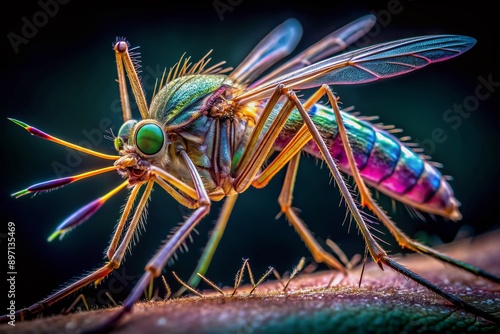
{"x": 113, "y": 264}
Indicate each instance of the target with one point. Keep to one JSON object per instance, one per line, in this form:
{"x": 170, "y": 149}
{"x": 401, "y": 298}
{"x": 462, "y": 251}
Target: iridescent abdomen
{"x": 384, "y": 162}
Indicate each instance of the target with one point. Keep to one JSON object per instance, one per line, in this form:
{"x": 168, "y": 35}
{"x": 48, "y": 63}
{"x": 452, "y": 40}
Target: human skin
{"x": 323, "y": 301}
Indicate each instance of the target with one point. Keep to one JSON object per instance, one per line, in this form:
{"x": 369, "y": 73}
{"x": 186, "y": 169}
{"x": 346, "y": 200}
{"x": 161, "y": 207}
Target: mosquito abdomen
{"x": 384, "y": 162}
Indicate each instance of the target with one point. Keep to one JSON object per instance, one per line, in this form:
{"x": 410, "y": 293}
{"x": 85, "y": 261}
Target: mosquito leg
{"x": 154, "y": 267}
{"x": 47, "y": 302}
{"x": 307, "y": 132}
{"x": 212, "y": 244}
{"x": 299, "y": 140}
{"x": 182, "y": 199}
{"x": 256, "y": 152}
{"x": 367, "y": 200}
{"x": 99, "y": 274}
{"x": 257, "y": 148}
{"x": 459, "y": 303}
{"x": 259, "y": 151}
{"x": 285, "y": 200}
{"x": 160, "y": 259}
{"x": 121, "y": 225}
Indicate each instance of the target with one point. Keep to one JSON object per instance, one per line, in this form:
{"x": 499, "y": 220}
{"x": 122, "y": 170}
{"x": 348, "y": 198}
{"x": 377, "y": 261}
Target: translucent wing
{"x": 368, "y": 64}
{"x": 329, "y": 45}
{"x": 276, "y": 45}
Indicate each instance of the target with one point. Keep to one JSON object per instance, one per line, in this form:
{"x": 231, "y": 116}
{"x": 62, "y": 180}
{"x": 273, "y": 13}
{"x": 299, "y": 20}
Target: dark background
{"x": 62, "y": 81}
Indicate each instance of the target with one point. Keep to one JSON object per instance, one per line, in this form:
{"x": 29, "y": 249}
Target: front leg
{"x": 160, "y": 259}
{"x": 97, "y": 275}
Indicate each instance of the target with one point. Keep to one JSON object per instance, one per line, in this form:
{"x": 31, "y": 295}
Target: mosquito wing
{"x": 368, "y": 64}
{"x": 326, "y": 47}
{"x": 276, "y": 45}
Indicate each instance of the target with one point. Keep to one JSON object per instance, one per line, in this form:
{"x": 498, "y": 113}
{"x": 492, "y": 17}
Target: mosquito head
{"x": 146, "y": 138}
{"x": 140, "y": 144}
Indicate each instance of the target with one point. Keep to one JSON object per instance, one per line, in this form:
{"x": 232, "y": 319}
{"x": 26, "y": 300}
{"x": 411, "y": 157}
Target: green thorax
{"x": 179, "y": 101}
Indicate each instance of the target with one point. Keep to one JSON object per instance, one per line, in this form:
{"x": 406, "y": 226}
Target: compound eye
{"x": 124, "y": 134}
{"x": 149, "y": 139}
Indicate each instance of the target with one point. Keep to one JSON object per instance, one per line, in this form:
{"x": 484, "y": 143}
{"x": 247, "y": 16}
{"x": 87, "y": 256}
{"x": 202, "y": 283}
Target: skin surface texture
{"x": 318, "y": 302}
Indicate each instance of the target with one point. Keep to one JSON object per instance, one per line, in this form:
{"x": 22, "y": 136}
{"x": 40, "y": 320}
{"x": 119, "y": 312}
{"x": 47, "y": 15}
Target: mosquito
{"x": 211, "y": 132}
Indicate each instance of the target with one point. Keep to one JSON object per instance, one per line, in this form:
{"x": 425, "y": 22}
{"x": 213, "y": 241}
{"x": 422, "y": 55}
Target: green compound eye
{"x": 149, "y": 139}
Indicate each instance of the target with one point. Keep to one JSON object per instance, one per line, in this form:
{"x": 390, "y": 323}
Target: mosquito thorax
{"x": 188, "y": 97}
